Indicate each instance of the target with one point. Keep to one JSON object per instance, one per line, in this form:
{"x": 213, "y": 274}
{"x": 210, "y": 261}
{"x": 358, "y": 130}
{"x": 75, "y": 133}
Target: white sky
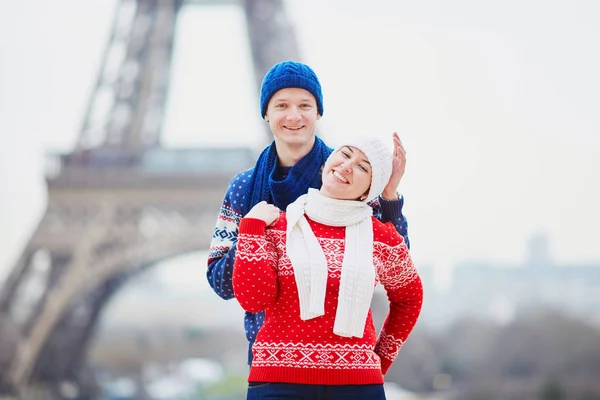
{"x": 497, "y": 104}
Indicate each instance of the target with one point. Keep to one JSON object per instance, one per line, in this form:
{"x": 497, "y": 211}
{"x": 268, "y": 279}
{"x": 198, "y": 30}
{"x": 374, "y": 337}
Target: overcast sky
{"x": 497, "y": 104}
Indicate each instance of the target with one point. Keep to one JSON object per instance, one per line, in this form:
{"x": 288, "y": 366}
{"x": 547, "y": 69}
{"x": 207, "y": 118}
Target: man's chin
{"x": 299, "y": 132}
{"x": 298, "y": 138}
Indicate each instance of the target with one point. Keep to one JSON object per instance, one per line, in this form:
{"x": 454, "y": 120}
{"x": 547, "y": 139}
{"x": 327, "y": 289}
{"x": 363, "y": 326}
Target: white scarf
{"x": 310, "y": 266}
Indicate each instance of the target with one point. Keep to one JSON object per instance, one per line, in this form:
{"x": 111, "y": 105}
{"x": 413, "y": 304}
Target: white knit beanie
{"x": 380, "y": 158}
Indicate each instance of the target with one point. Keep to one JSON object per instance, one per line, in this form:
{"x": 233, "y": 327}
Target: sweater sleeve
{"x": 405, "y": 293}
{"x": 391, "y": 211}
{"x": 221, "y": 254}
{"x": 255, "y": 268}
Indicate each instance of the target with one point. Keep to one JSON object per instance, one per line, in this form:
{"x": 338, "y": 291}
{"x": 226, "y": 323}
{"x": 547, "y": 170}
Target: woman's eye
{"x": 363, "y": 168}
{"x": 346, "y": 155}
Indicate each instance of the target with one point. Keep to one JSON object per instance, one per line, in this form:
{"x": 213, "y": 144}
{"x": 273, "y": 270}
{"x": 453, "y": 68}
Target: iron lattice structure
{"x": 119, "y": 201}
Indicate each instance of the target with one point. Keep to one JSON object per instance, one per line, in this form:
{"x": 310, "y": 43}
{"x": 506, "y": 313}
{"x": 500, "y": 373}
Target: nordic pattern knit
{"x": 291, "y": 350}
{"x": 222, "y": 250}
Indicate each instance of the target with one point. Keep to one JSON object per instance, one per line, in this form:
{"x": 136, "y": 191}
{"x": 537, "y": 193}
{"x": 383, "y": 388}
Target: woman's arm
{"x": 388, "y": 207}
{"x": 255, "y": 268}
{"x": 405, "y": 293}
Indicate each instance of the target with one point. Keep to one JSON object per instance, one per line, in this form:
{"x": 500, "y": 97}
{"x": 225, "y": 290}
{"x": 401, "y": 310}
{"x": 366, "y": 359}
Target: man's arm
{"x": 391, "y": 211}
{"x": 221, "y": 254}
{"x": 220, "y": 273}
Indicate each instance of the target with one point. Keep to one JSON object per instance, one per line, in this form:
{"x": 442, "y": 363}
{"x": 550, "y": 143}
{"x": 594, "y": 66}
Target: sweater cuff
{"x": 392, "y": 209}
{"x": 252, "y": 226}
{"x": 385, "y": 365}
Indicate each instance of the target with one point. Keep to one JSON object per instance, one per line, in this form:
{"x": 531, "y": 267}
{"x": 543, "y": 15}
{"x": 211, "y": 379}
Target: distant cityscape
{"x": 499, "y": 291}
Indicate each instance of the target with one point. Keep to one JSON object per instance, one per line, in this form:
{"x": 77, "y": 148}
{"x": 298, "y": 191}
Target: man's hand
{"x": 263, "y": 211}
{"x": 398, "y": 167}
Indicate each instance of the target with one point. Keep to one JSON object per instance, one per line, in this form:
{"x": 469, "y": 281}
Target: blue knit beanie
{"x": 290, "y": 74}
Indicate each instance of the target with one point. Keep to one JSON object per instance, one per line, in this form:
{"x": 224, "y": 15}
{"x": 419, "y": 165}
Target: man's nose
{"x": 293, "y": 114}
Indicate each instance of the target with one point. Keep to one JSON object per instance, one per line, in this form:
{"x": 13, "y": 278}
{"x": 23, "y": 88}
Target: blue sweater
{"x": 223, "y": 245}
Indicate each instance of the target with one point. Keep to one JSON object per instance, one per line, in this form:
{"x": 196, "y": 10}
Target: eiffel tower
{"x": 119, "y": 202}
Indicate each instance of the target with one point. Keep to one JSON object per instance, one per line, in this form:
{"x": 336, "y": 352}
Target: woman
{"x": 313, "y": 270}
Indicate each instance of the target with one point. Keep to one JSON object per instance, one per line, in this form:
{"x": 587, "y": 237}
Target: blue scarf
{"x": 305, "y": 174}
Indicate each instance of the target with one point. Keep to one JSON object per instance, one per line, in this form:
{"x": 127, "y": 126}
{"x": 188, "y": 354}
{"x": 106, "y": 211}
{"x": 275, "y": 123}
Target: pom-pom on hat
{"x": 290, "y": 74}
{"x": 380, "y": 158}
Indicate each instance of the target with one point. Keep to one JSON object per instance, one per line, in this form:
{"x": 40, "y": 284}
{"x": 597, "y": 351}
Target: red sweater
{"x": 288, "y": 349}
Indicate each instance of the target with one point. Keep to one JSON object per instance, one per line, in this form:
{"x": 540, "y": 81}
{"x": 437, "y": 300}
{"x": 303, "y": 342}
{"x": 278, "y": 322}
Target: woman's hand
{"x": 398, "y": 167}
{"x": 263, "y": 211}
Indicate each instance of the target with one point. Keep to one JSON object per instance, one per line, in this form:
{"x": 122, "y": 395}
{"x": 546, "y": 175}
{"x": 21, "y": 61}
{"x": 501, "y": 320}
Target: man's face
{"x": 292, "y": 115}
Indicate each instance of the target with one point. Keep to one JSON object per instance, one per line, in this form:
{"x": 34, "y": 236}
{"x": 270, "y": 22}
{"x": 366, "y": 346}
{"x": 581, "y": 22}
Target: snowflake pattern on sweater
{"x": 289, "y": 349}
{"x": 221, "y": 255}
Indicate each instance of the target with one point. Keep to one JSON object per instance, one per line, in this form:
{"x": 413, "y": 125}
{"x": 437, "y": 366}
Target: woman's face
{"x": 292, "y": 115}
{"x": 346, "y": 174}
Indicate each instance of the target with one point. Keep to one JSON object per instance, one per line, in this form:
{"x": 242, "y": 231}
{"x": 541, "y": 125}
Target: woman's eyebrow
{"x": 352, "y": 151}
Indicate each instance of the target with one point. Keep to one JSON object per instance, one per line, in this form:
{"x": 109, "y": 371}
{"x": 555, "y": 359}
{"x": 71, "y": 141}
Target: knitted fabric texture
{"x": 290, "y": 74}
{"x": 289, "y": 349}
{"x": 310, "y": 267}
{"x": 240, "y": 198}
{"x": 302, "y": 176}
{"x": 379, "y": 157}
